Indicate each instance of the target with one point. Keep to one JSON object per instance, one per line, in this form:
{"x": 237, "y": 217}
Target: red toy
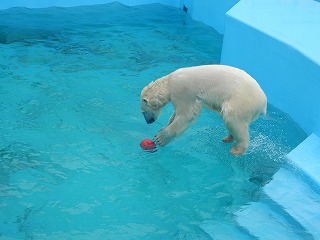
{"x": 147, "y": 144}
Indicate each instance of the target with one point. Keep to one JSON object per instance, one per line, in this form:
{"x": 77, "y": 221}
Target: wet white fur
{"x": 229, "y": 91}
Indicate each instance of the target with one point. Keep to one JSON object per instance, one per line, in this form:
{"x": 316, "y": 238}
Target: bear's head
{"x": 150, "y": 107}
{"x": 153, "y": 98}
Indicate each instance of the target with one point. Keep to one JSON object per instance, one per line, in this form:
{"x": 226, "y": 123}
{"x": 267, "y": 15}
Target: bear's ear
{"x": 145, "y": 101}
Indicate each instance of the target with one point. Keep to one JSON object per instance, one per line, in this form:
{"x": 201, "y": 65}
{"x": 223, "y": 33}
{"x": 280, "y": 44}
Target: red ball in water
{"x": 147, "y": 144}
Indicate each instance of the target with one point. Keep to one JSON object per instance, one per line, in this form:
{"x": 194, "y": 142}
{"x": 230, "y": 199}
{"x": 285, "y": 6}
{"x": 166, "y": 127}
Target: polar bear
{"x": 229, "y": 91}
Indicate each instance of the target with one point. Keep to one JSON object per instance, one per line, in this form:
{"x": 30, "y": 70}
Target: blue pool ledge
{"x": 305, "y": 158}
{"x": 290, "y": 208}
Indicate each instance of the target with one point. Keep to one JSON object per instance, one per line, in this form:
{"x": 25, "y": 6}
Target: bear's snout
{"x": 149, "y": 117}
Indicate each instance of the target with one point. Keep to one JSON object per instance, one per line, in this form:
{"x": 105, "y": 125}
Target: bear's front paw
{"x": 162, "y": 138}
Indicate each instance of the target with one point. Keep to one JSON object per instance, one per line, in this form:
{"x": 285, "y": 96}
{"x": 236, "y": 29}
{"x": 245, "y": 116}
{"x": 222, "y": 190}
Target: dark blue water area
{"x": 70, "y": 126}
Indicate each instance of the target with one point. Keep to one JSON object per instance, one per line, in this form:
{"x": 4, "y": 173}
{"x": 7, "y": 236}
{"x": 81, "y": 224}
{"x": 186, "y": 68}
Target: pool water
{"x": 70, "y": 162}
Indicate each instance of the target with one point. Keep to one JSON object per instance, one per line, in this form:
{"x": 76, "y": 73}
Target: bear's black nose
{"x": 148, "y": 117}
{"x": 151, "y": 120}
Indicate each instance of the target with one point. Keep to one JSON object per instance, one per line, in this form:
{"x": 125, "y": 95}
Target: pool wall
{"x": 211, "y": 12}
{"x": 275, "y": 41}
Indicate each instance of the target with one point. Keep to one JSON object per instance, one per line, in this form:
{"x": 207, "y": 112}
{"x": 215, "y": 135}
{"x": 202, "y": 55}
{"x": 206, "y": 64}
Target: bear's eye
{"x": 145, "y": 101}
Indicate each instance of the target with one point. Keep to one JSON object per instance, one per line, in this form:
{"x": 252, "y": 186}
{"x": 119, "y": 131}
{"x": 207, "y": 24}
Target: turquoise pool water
{"x": 70, "y": 126}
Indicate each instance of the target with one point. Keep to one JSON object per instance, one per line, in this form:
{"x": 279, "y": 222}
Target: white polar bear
{"x": 229, "y": 91}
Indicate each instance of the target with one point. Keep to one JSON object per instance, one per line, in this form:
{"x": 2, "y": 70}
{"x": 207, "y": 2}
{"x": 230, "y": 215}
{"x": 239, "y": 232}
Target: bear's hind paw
{"x": 237, "y": 151}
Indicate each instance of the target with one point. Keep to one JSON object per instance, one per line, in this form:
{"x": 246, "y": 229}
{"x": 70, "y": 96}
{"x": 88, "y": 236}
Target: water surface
{"x": 70, "y": 126}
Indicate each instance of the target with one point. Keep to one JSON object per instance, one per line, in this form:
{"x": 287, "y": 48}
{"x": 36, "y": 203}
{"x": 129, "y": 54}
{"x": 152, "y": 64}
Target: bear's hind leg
{"x": 240, "y": 132}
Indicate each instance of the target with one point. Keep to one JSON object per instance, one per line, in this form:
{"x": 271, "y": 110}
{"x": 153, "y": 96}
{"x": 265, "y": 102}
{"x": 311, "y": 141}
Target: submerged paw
{"x": 228, "y": 139}
{"x": 162, "y": 138}
{"x": 237, "y": 151}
